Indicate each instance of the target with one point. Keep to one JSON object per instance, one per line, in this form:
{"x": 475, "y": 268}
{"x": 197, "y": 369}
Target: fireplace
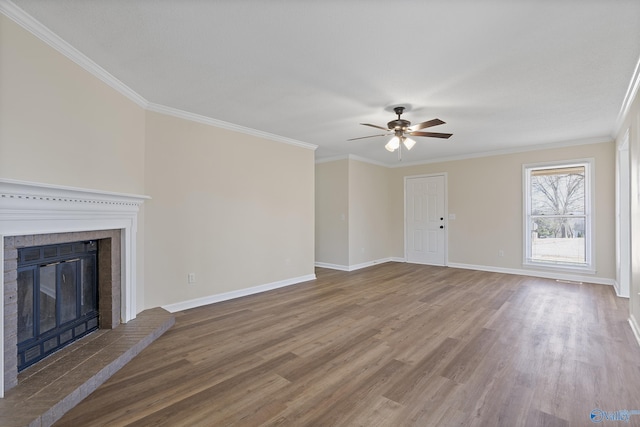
{"x": 57, "y": 298}
{"x": 33, "y": 215}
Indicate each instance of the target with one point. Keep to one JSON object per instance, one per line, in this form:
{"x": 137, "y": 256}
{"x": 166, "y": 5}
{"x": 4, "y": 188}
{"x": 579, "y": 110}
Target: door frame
{"x": 446, "y": 213}
{"x": 623, "y": 215}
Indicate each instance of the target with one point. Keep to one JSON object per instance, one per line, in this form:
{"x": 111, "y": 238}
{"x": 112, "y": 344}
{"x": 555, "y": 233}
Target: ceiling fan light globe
{"x": 393, "y": 144}
{"x": 409, "y": 143}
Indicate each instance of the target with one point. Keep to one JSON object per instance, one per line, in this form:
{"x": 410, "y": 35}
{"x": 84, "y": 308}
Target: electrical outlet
{"x": 191, "y": 278}
{"x": 500, "y": 252}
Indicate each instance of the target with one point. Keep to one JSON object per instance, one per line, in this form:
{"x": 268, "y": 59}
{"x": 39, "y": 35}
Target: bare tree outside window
{"x": 558, "y": 215}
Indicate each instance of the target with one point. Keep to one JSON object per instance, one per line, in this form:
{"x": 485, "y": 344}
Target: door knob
{"x": 442, "y": 226}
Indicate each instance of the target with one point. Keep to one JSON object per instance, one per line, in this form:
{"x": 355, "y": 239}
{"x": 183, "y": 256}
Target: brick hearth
{"x": 47, "y": 390}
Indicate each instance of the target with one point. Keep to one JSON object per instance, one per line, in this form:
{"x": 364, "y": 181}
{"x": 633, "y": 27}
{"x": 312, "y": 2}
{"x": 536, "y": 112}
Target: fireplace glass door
{"x": 57, "y": 298}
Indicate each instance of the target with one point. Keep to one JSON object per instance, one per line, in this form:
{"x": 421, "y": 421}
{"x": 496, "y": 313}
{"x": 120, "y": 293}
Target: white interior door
{"x": 425, "y": 232}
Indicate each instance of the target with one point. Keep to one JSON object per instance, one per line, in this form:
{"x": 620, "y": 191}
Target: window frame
{"x": 589, "y": 215}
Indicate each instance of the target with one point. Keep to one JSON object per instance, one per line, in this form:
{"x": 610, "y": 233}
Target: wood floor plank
{"x": 465, "y": 362}
{"x": 193, "y": 409}
{"x": 351, "y": 395}
{"x": 391, "y": 345}
{"x": 313, "y": 393}
{"x": 422, "y": 371}
{"x": 377, "y": 412}
{"x": 542, "y": 419}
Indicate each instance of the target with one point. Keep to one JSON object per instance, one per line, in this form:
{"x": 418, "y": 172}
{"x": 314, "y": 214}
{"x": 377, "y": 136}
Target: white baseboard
{"x": 616, "y": 286}
{"x": 520, "y": 272}
{"x": 368, "y": 264}
{"x": 198, "y": 302}
{"x": 635, "y": 327}
{"x": 542, "y": 274}
{"x": 330, "y": 266}
{"x": 357, "y": 266}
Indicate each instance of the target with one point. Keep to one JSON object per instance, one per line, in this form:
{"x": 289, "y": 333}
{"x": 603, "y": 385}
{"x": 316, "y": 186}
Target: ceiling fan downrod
{"x": 399, "y": 124}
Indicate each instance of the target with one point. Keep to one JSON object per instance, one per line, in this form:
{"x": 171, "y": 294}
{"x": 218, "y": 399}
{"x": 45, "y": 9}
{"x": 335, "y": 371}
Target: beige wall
{"x": 60, "y": 124}
{"x": 368, "y": 212}
{"x": 236, "y": 210}
{"x": 332, "y": 213}
{"x": 352, "y": 213}
{"x": 485, "y": 194}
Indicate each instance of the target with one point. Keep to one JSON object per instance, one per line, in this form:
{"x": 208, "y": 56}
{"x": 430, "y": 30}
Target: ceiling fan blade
{"x": 374, "y": 126}
{"x": 431, "y": 134}
{"x": 370, "y": 136}
{"x": 427, "y": 124}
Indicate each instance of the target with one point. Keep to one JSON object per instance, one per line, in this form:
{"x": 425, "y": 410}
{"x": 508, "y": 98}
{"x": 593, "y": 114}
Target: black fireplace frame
{"x": 31, "y": 260}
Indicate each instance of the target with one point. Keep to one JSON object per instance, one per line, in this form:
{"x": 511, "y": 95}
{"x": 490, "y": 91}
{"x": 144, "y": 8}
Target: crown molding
{"x": 332, "y": 159}
{"x": 350, "y": 157}
{"x": 365, "y": 160}
{"x": 587, "y": 141}
{"x": 629, "y": 96}
{"x": 162, "y": 109}
{"x": 36, "y": 28}
{"x": 515, "y": 150}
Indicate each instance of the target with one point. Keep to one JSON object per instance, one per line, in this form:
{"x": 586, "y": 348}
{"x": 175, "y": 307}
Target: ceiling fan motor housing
{"x": 399, "y": 124}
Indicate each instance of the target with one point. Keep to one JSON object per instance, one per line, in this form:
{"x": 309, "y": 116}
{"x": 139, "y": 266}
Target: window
{"x": 558, "y": 215}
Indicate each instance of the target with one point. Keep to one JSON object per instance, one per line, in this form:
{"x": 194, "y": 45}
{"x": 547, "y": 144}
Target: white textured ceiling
{"x": 504, "y": 75}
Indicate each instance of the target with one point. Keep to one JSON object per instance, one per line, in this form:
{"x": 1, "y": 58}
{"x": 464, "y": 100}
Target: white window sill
{"x": 559, "y": 267}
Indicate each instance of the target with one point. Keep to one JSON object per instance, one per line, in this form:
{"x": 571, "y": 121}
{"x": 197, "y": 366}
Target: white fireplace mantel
{"x": 28, "y": 208}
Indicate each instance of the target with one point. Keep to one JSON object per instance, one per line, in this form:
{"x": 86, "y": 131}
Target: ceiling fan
{"x": 400, "y": 128}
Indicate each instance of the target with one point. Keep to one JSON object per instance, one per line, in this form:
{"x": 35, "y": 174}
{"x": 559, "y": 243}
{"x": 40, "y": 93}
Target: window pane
{"x": 88, "y": 298}
{"x": 559, "y": 240}
{"x": 68, "y": 291}
{"x": 558, "y": 191}
{"x": 25, "y": 305}
{"x": 47, "y": 298}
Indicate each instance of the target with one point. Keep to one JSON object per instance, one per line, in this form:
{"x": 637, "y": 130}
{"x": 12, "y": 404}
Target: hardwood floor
{"x": 392, "y": 345}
